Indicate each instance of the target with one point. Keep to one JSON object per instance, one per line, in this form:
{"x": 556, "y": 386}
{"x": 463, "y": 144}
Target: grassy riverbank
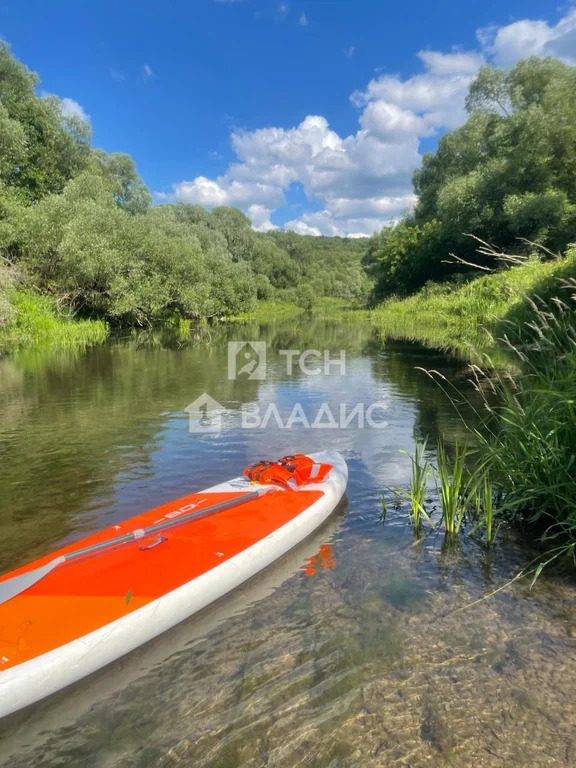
{"x": 33, "y": 319}
{"x": 472, "y": 315}
{"x": 266, "y": 311}
{"x": 523, "y": 454}
{"x": 324, "y": 308}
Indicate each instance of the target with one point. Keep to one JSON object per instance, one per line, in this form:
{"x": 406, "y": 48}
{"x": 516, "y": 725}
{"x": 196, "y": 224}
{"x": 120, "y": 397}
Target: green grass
{"x": 468, "y": 317}
{"x": 486, "y": 510}
{"x": 330, "y": 308}
{"x": 267, "y": 311}
{"x": 324, "y": 308}
{"x": 417, "y": 491}
{"x": 530, "y": 443}
{"x": 456, "y": 486}
{"x": 36, "y": 320}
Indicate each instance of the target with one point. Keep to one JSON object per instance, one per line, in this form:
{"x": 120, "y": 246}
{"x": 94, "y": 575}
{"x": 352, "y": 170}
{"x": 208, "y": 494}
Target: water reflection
{"x": 361, "y": 656}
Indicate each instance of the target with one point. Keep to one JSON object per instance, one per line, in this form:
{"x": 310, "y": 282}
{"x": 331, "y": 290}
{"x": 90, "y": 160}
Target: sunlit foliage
{"x": 80, "y": 223}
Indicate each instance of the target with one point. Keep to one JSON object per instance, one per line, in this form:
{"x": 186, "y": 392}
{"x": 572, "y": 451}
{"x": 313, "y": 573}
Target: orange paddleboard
{"x": 85, "y": 613}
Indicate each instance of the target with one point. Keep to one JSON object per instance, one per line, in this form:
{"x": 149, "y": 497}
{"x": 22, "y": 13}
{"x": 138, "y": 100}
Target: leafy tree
{"x": 520, "y": 139}
{"x": 47, "y": 147}
{"x": 237, "y": 230}
{"x": 99, "y": 258}
{"x": 506, "y": 175}
{"x": 411, "y": 255}
{"x": 130, "y": 192}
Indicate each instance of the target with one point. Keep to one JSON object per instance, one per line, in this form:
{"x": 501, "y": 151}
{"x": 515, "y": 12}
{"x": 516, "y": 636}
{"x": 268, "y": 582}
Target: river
{"x": 354, "y": 649}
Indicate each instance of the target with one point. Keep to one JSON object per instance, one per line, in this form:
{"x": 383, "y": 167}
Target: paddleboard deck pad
{"x": 88, "y": 612}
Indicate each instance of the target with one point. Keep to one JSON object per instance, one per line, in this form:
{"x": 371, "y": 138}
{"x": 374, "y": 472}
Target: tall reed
{"x": 417, "y": 491}
{"x": 532, "y": 450}
{"x": 486, "y": 509}
{"x": 455, "y": 485}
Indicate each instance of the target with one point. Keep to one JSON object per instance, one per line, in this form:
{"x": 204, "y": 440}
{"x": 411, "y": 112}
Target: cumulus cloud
{"x": 362, "y": 181}
{"x": 387, "y": 120}
{"x": 226, "y": 191}
{"x": 445, "y": 64}
{"x": 431, "y": 100}
{"x": 260, "y": 216}
{"x": 362, "y": 176}
{"x": 71, "y": 108}
{"x": 531, "y": 38}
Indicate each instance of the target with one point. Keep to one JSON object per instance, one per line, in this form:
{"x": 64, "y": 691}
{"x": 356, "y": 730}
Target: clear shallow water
{"x": 348, "y": 651}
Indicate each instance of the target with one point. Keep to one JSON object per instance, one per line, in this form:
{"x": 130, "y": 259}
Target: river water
{"x": 353, "y": 650}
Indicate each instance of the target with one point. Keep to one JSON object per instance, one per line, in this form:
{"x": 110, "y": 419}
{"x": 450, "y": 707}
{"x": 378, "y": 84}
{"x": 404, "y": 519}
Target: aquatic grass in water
{"x": 488, "y": 509}
{"x": 455, "y": 486}
{"x": 485, "y": 507}
{"x": 458, "y": 485}
{"x": 417, "y": 491}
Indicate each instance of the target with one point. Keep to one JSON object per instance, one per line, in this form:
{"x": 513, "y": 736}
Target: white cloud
{"x": 386, "y": 120}
{"x": 363, "y": 181}
{"x": 324, "y": 223}
{"x": 451, "y": 63}
{"x": 303, "y": 20}
{"x": 531, "y": 38}
{"x": 435, "y": 96}
{"x": 374, "y": 207}
{"x": 226, "y": 191}
{"x": 350, "y": 51}
{"x": 147, "y": 71}
{"x": 363, "y": 176}
{"x": 71, "y": 108}
{"x": 260, "y": 216}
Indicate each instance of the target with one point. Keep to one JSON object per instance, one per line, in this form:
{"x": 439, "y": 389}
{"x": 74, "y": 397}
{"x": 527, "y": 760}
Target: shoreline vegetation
{"x": 77, "y": 226}
{"x": 36, "y": 320}
{"x": 473, "y": 317}
{"x": 85, "y": 254}
{"x": 507, "y": 176}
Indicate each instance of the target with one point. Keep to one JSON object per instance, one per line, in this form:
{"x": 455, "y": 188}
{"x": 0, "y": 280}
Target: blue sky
{"x": 305, "y": 113}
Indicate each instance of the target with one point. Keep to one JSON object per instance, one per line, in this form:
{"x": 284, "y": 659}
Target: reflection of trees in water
{"x": 72, "y": 422}
{"x": 436, "y": 414}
